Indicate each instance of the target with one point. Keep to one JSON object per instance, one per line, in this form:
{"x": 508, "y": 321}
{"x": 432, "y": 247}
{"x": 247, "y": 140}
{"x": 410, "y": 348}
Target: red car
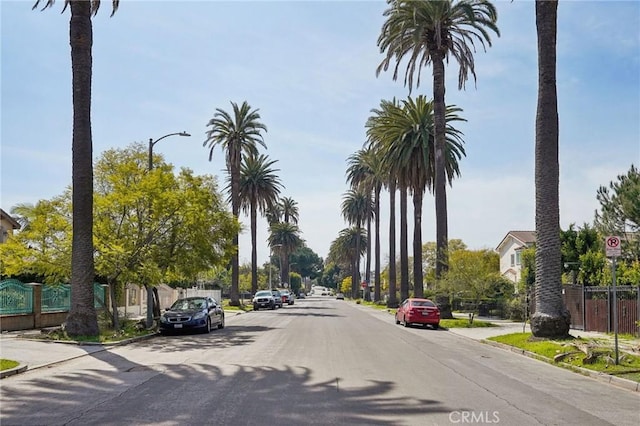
{"x": 418, "y": 311}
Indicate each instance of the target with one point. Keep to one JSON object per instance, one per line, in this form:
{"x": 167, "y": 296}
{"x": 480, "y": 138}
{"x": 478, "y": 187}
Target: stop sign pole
{"x": 613, "y": 250}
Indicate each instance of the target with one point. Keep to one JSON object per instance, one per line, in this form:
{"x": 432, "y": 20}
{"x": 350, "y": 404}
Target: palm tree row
{"x": 254, "y": 186}
{"x": 399, "y": 152}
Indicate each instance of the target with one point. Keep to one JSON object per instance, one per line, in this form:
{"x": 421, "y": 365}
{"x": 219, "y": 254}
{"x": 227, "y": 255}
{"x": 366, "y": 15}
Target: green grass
{"x": 6, "y": 364}
{"x": 628, "y": 366}
{"x": 464, "y": 323}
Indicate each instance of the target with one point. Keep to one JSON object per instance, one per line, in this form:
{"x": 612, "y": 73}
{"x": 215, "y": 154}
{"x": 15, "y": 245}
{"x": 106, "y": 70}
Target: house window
{"x": 513, "y": 260}
{"x": 518, "y": 258}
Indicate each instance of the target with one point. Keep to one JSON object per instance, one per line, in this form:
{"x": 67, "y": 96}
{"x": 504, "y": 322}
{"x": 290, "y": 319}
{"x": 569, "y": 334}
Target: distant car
{"x": 192, "y": 313}
{"x": 340, "y": 296}
{"x": 287, "y": 297}
{"x": 418, "y": 311}
{"x": 324, "y": 293}
{"x": 302, "y": 296}
{"x": 277, "y": 298}
{"x": 264, "y": 299}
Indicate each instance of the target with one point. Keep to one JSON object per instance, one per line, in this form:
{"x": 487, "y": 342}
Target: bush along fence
{"x": 591, "y": 308}
{"x": 33, "y": 305}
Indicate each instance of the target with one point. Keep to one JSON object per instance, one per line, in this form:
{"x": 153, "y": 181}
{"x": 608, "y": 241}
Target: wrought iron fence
{"x": 15, "y": 298}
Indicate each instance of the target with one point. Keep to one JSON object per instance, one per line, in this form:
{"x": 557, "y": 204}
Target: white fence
{"x": 136, "y": 298}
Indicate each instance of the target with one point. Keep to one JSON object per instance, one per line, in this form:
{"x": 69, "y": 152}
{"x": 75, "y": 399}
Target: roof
{"x": 525, "y": 238}
{"x": 6, "y": 216}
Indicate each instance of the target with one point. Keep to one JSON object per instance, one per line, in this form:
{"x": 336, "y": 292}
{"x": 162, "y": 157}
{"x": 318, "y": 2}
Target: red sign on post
{"x": 612, "y": 246}
{"x": 364, "y": 284}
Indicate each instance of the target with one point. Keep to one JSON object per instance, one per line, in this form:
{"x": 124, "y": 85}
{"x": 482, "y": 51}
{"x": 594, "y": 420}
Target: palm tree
{"x": 259, "y": 190}
{"x": 357, "y": 208}
{"x": 551, "y": 318}
{"x": 378, "y": 138}
{"x": 289, "y": 209}
{"x": 349, "y": 246}
{"x": 412, "y": 154}
{"x": 238, "y": 136}
{"x": 82, "y": 319}
{"x": 285, "y": 236}
{"x": 365, "y": 172}
{"x": 429, "y": 32}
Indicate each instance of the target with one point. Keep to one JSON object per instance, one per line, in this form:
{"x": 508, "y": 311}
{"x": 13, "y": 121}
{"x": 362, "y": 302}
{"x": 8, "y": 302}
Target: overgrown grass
{"x": 6, "y": 364}
{"x": 576, "y": 349}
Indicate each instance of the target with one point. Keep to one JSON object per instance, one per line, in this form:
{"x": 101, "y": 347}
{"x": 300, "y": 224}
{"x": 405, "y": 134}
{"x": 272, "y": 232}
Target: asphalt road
{"x": 320, "y": 361}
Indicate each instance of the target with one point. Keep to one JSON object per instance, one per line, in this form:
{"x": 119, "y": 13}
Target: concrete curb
{"x": 21, "y": 368}
{"x": 603, "y": 377}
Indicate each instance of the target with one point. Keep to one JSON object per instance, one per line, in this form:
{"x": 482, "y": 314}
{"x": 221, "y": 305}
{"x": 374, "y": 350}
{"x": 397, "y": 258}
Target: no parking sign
{"x": 612, "y": 246}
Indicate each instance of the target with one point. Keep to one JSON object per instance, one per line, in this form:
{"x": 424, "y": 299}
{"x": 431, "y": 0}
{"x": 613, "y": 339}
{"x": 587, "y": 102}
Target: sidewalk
{"x": 34, "y": 353}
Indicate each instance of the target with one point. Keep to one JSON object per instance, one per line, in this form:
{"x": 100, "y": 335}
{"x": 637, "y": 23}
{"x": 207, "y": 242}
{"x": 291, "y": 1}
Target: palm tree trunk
{"x": 234, "y": 295}
{"x": 418, "y": 290}
{"x": 393, "y": 300}
{"x": 404, "y": 241}
{"x": 254, "y": 249}
{"x": 82, "y": 319}
{"x": 376, "y": 207}
{"x": 440, "y": 183}
{"x": 551, "y": 318}
{"x": 367, "y": 271}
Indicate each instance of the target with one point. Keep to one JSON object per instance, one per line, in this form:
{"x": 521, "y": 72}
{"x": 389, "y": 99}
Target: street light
{"x": 270, "y": 255}
{"x": 149, "y": 295}
{"x": 152, "y": 143}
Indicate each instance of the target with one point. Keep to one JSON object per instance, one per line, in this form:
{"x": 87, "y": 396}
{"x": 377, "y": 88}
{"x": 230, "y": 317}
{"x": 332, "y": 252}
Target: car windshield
{"x": 263, "y": 293}
{"x": 188, "y": 304}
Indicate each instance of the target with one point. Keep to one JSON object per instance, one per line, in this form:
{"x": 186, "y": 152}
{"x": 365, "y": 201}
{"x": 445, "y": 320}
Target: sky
{"x": 309, "y": 68}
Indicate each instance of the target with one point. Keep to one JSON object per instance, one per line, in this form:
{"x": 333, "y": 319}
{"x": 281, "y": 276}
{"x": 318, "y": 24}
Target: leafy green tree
{"x": 575, "y": 243}
{"x": 238, "y": 136}
{"x": 259, "y": 190}
{"x": 82, "y": 319}
{"x": 307, "y": 262}
{"x": 428, "y": 33}
{"x": 620, "y": 212}
{"x": 551, "y": 318}
{"x": 42, "y": 248}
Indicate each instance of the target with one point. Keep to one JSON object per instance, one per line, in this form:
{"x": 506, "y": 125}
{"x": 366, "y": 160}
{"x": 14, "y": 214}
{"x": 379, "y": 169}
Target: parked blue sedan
{"x": 192, "y": 313}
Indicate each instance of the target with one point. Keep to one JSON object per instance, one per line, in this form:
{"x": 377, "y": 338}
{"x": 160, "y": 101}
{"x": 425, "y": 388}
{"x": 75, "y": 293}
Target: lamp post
{"x": 149, "y": 295}
{"x": 270, "y": 255}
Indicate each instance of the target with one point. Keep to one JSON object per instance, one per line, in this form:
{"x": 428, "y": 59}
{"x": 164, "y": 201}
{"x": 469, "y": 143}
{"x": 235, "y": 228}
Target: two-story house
{"x": 7, "y": 225}
{"x": 510, "y": 249}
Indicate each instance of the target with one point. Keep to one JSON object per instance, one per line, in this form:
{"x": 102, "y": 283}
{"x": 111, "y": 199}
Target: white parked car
{"x": 263, "y": 299}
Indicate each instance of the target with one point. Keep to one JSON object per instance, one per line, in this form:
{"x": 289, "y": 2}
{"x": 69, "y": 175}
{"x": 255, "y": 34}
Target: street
{"x": 320, "y": 361}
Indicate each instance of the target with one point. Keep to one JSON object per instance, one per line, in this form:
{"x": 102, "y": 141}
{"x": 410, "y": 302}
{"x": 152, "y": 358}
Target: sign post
{"x": 613, "y": 249}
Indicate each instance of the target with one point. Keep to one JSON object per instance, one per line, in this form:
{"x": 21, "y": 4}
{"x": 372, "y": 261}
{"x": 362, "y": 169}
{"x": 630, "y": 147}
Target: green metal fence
{"x": 15, "y": 298}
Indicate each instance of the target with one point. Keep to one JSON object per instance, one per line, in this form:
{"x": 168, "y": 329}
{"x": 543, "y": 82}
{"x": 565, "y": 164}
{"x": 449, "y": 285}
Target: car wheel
{"x": 405, "y": 323}
{"x": 397, "y": 320}
{"x": 435, "y": 326}
{"x": 256, "y": 307}
{"x": 207, "y": 328}
{"x": 221, "y": 325}
{"x": 272, "y": 306}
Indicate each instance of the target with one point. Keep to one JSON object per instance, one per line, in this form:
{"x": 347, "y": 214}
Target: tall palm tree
{"x": 285, "y": 236}
{"x": 365, "y": 172}
{"x": 412, "y": 154}
{"x": 238, "y": 136}
{"x": 82, "y": 319}
{"x": 357, "y": 208}
{"x": 349, "y": 246}
{"x": 378, "y": 138}
{"x": 428, "y": 32}
{"x": 259, "y": 190}
{"x": 289, "y": 209}
{"x": 551, "y": 318}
